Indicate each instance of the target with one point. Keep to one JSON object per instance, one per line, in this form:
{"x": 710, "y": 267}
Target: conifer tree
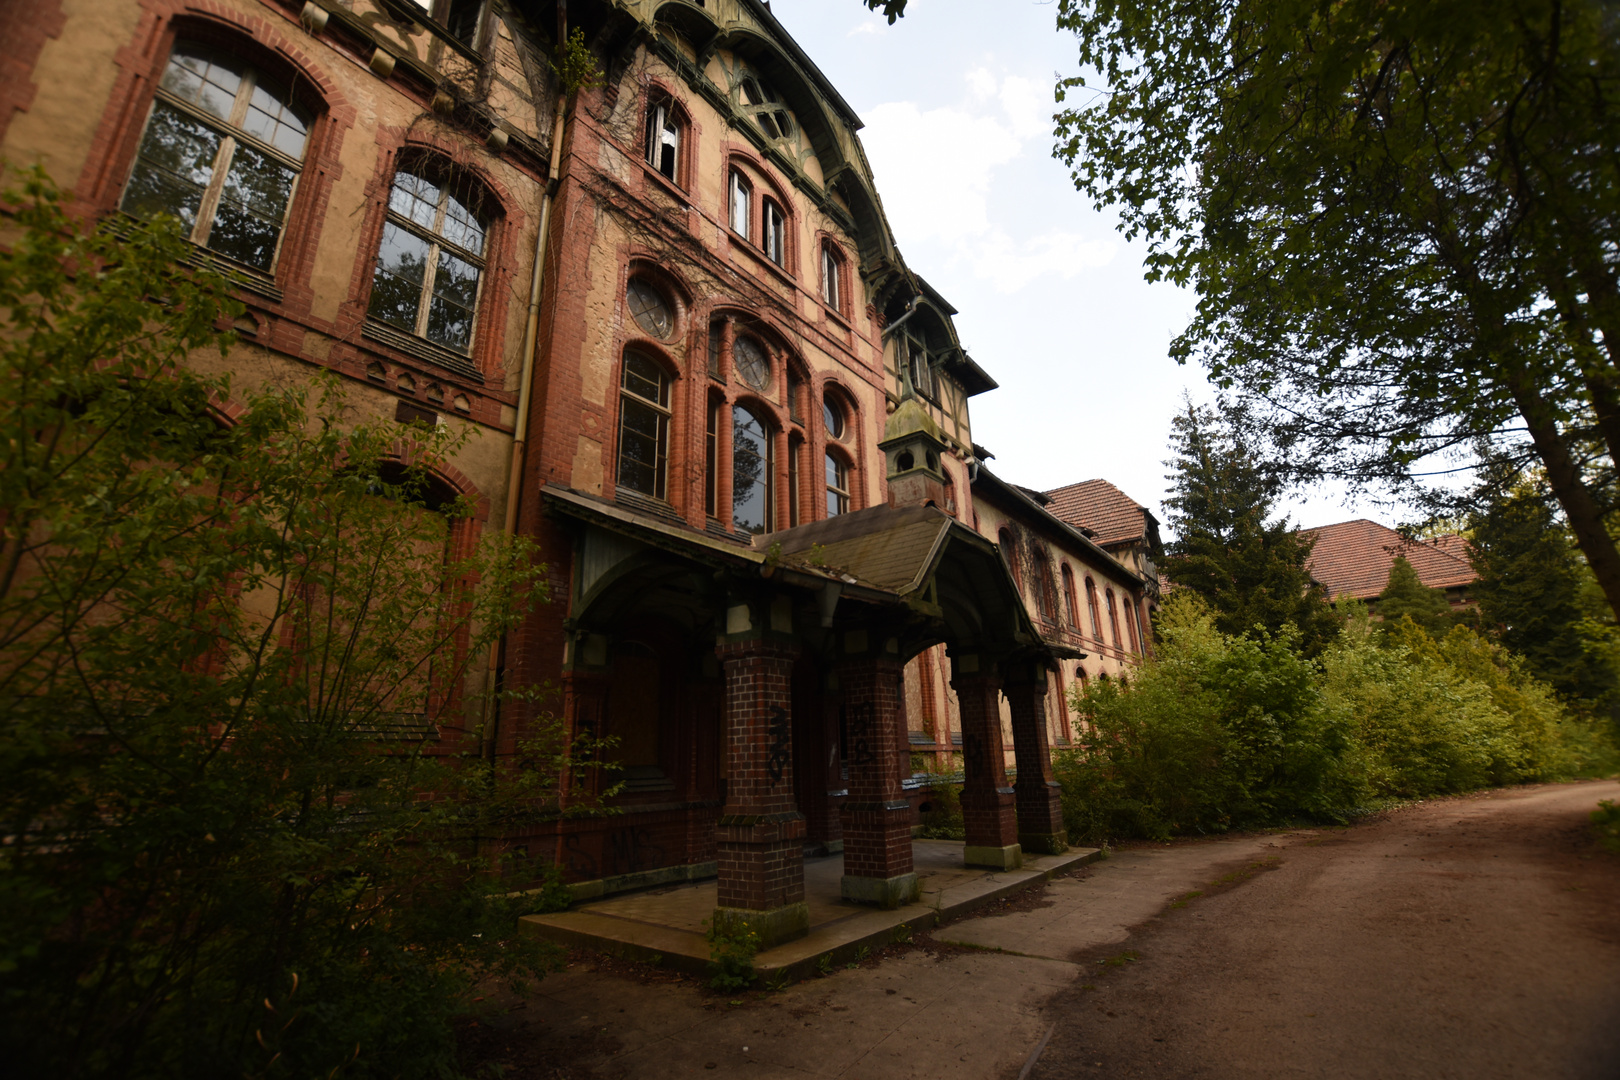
{"x": 1537, "y": 594}
{"x": 1405, "y": 594}
{"x": 1250, "y": 570}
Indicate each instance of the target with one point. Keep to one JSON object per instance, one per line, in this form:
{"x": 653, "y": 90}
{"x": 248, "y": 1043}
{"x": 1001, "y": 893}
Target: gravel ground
{"x": 1473, "y": 937}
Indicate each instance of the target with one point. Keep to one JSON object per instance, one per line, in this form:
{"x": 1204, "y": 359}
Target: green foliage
{"x": 1216, "y": 732}
{"x": 1538, "y": 596}
{"x": 576, "y": 65}
{"x": 248, "y": 824}
{"x": 943, "y": 820}
{"x": 1606, "y": 824}
{"x": 1250, "y": 571}
{"x": 1406, "y": 597}
{"x": 731, "y": 956}
{"x": 893, "y": 9}
{"x": 1219, "y": 731}
{"x": 1397, "y": 215}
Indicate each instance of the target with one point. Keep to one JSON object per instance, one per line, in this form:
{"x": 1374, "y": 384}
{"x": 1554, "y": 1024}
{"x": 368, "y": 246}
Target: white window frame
{"x": 830, "y": 273}
{"x": 664, "y": 133}
{"x": 773, "y": 231}
{"x": 742, "y": 195}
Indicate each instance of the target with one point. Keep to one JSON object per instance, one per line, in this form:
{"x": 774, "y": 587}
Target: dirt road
{"x": 1474, "y": 938}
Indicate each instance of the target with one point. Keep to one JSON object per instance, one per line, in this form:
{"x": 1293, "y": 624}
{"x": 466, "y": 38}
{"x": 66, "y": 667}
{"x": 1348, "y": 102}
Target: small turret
{"x": 914, "y": 449}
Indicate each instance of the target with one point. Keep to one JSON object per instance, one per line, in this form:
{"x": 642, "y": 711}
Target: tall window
{"x": 742, "y": 196}
{"x": 774, "y": 227}
{"x": 1009, "y": 554}
{"x": 918, "y": 368}
{"x": 837, "y": 486}
{"x": 795, "y": 448}
{"x": 711, "y": 459}
{"x": 430, "y": 260}
{"x": 1130, "y": 624}
{"x": 1091, "y": 605}
{"x": 222, "y": 151}
{"x": 1113, "y": 619}
{"x": 643, "y": 425}
{"x": 751, "y": 469}
{"x": 831, "y": 271}
{"x": 663, "y": 140}
{"x": 1041, "y": 578}
{"x": 1071, "y": 605}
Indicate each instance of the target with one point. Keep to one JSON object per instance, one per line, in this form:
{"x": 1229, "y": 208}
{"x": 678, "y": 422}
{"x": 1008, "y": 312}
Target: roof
{"x": 1353, "y": 558}
{"x": 1112, "y": 516}
{"x": 1035, "y": 513}
{"x": 886, "y": 547}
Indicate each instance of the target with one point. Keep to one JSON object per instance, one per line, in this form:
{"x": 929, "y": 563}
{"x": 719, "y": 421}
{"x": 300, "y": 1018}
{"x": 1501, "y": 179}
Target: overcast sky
{"x": 957, "y": 102}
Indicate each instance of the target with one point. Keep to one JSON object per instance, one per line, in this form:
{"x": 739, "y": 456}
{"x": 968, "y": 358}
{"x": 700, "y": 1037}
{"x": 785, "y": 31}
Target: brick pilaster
{"x": 760, "y": 835}
{"x": 877, "y": 818}
{"x": 987, "y": 801}
{"x": 1038, "y": 796}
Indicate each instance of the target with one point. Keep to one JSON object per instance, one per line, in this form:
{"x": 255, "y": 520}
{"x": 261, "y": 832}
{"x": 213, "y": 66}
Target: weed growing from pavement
{"x": 1129, "y": 956}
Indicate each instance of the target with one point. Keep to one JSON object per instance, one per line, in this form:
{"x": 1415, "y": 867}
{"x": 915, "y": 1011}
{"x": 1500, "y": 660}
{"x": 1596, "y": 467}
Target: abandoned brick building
{"x": 698, "y": 371}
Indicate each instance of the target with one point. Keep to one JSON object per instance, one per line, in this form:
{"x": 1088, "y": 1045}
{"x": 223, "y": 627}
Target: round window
{"x": 753, "y": 366}
{"x": 650, "y": 310}
{"x": 833, "y": 417}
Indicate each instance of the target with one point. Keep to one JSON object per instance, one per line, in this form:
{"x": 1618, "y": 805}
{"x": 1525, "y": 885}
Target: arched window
{"x": 837, "y": 485}
{"x": 1041, "y": 575}
{"x": 431, "y": 258}
{"x": 711, "y": 458}
{"x": 663, "y": 150}
{"x": 1130, "y": 624}
{"x": 1071, "y": 604}
{"x": 773, "y": 231}
{"x": 222, "y": 151}
{"x": 643, "y": 425}
{"x": 742, "y": 205}
{"x": 761, "y": 101}
{"x": 1009, "y": 555}
{"x": 1113, "y": 619}
{"x": 650, "y": 308}
{"x": 751, "y": 472}
{"x": 832, "y": 276}
{"x": 795, "y": 450}
{"x": 1091, "y": 606}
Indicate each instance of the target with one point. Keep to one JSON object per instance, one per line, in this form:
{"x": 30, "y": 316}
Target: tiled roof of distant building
{"x": 1353, "y": 558}
{"x": 1112, "y": 516}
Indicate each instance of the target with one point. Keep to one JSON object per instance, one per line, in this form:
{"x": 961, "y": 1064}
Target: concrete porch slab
{"x": 665, "y": 925}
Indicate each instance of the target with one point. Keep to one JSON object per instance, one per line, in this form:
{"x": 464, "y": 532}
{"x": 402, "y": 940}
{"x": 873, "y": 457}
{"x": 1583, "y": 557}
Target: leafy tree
{"x": 1405, "y": 596}
{"x": 1536, "y": 592}
{"x": 1399, "y": 215}
{"x": 1249, "y": 570}
{"x": 247, "y": 824}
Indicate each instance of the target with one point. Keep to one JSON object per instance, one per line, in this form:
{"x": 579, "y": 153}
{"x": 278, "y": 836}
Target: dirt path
{"x": 1475, "y": 937}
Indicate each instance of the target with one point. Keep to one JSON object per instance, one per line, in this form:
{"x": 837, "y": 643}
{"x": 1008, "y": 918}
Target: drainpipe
{"x": 531, "y": 346}
{"x": 911, "y": 309}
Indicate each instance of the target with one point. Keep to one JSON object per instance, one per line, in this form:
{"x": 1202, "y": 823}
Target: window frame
{"x": 1113, "y": 617}
{"x": 832, "y": 274}
{"x": 1071, "y": 602}
{"x": 664, "y": 114}
{"x": 773, "y": 231}
{"x": 662, "y": 410}
{"x": 450, "y": 180}
{"x": 232, "y": 136}
{"x": 768, "y": 433}
{"x": 740, "y": 197}
{"x": 844, "y": 472}
{"x": 1095, "y": 610}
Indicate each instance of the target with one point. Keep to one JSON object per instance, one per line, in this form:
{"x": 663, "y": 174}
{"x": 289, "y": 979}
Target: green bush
{"x": 943, "y": 819}
{"x": 731, "y": 957}
{"x": 1606, "y": 823}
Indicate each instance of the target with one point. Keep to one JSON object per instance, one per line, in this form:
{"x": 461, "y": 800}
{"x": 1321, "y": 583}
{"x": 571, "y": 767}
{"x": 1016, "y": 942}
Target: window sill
{"x": 738, "y": 240}
{"x": 421, "y": 349}
{"x": 671, "y": 188}
{"x": 837, "y": 317}
{"x": 241, "y": 275}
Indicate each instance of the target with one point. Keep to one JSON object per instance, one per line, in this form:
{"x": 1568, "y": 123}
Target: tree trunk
{"x": 1563, "y": 474}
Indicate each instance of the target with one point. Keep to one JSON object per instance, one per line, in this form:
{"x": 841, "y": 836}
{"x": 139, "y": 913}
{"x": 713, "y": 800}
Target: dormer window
{"x": 762, "y": 103}
{"x": 664, "y": 140}
{"x": 918, "y": 368}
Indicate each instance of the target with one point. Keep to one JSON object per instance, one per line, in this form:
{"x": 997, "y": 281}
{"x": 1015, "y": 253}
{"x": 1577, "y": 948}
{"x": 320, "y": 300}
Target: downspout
{"x": 531, "y": 346}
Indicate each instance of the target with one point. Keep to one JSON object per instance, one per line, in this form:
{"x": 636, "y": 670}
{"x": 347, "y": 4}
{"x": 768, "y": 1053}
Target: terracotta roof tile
{"x": 1353, "y": 558}
{"x": 1112, "y": 516}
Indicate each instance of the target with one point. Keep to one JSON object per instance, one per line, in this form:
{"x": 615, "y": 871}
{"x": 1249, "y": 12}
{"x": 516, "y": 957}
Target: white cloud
{"x": 1009, "y": 265}
{"x": 938, "y": 168}
{"x": 870, "y": 26}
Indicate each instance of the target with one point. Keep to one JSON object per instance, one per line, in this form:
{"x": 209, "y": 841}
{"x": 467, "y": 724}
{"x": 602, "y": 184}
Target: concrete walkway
{"x": 666, "y": 926}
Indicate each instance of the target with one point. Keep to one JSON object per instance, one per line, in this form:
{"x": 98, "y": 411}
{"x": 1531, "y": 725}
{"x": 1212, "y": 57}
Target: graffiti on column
{"x": 860, "y": 734}
{"x": 781, "y": 745}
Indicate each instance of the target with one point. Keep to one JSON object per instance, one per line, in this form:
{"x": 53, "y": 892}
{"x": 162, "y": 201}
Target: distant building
{"x": 1353, "y": 559}
{"x": 1114, "y": 521}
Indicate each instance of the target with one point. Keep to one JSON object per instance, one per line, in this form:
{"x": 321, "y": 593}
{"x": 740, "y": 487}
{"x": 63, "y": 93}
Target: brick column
{"x": 1039, "y": 798}
{"x": 760, "y": 835}
{"x": 877, "y": 818}
{"x": 987, "y": 802}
